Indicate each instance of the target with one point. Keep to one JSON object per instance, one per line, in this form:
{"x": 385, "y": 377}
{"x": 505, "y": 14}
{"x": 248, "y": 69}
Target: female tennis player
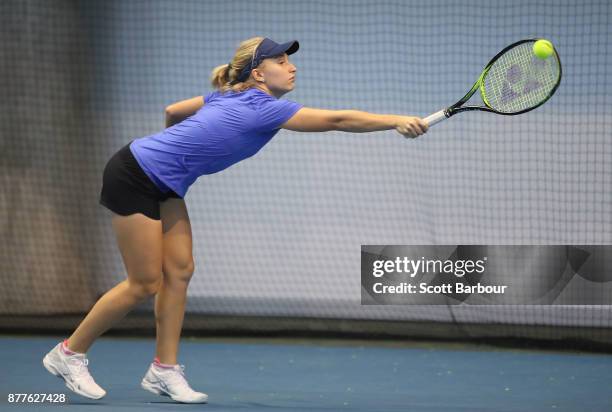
{"x": 145, "y": 183}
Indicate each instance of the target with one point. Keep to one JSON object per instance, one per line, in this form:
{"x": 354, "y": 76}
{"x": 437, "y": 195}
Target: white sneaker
{"x": 171, "y": 382}
{"x": 73, "y": 370}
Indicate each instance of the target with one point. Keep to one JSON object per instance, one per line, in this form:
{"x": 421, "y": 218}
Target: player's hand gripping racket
{"x": 515, "y": 81}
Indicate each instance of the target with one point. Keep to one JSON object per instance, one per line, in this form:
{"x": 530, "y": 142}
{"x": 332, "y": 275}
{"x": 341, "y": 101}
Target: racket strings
{"x": 519, "y": 80}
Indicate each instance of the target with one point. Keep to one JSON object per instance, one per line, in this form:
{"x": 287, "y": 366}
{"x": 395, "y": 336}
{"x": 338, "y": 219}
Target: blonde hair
{"x": 224, "y": 78}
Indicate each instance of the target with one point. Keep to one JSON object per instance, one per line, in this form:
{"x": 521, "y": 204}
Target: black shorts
{"x": 126, "y": 189}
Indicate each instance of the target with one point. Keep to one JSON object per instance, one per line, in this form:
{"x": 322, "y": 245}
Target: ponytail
{"x": 225, "y": 76}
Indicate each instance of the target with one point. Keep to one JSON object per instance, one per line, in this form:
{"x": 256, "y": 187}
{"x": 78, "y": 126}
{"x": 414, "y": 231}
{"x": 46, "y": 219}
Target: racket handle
{"x": 434, "y": 118}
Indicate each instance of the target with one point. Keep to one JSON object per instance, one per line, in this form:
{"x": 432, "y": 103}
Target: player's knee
{"x": 143, "y": 289}
{"x": 179, "y": 271}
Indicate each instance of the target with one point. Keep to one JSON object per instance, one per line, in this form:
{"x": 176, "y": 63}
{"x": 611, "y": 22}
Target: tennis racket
{"x": 515, "y": 81}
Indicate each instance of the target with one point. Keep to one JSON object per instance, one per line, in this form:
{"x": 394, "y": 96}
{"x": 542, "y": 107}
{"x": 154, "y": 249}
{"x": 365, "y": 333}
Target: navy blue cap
{"x": 267, "y": 48}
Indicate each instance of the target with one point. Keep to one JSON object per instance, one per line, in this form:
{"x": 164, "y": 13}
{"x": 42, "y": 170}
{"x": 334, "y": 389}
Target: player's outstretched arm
{"x": 320, "y": 120}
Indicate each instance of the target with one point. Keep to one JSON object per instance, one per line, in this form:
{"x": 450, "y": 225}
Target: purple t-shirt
{"x": 229, "y": 127}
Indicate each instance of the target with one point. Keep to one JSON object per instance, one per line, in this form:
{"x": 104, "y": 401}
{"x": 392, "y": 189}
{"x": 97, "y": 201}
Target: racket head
{"x": 516, "y": 80}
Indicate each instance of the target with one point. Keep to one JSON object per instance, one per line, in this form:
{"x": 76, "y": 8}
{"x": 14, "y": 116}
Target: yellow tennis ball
{"x": 543, "y": 49}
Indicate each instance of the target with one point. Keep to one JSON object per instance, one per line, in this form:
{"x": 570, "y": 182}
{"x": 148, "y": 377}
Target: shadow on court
{"x": 318, "y": 375}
